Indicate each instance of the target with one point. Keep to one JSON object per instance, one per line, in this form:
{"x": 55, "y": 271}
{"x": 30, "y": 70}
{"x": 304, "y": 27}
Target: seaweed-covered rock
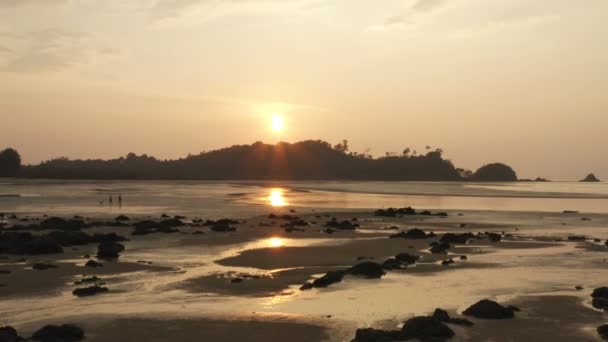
{"x": 444, "y": 317}
{"x": 600, "y": 298}
{"x": 41, "y": 266}
{"x": 59, "y": 333}
{"x": 488, "y": 309}
{"x": 392, "y": 264}
{"x": 93, "y": 264}
{"x": 439, "y": 248}
{"x": 454, "y": 238}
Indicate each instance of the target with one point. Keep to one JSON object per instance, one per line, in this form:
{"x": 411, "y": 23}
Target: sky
{"x": 516, "y": 81}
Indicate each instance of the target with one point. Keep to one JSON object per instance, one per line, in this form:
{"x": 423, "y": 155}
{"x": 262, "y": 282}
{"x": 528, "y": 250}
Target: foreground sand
{"x": 180, "y": 286}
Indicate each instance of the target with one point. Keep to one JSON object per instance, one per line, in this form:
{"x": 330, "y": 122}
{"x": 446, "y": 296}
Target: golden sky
{"x": 522, "y": 82}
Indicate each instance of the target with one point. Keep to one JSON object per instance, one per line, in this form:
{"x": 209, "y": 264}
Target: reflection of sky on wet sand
{"x": 276, "y": 198}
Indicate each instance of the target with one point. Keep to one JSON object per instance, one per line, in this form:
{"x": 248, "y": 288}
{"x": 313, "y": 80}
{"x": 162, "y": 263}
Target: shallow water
{"x": 220, "y": 199}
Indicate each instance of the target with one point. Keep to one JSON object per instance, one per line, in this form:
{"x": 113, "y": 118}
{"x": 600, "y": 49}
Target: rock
{"x": 93, "y": 263}
{"x": 174, "y": 222}
{"x": 392, "y": 264}
{"x": 460, "y": 239}
{"x": 392, "y": 212}
{"x": 343, "y": 225}
{"x": 576, "y": 238}
{"x": 600, "y": 298}
{"x": 488, "y": 309}
{"x": 57, "y": 223}
{"x": 9, "y": 334}
{"x": 444, "y": 317}
{"x": 603, "y": 331}
{"x": 42, "y": 266}
{"x": 414, "y": 233}
{"x": 122, "y": 218}
{"x": 464, "y": 257}
{"x": 90, "y": 291}
{"x": 306, "y": 286}
{"x": 447, "y": 262}
{"x": 590, "y": 178}
{"x": 328, "y": 279}
{"x": 98, "y": 237}
{"x": 570, "y": 212}
{"x": 440, "y": 248}
{"x": 109, "y": 250}
{"x": 494, "y": 237}
{"x": 26, "y": 243}
{"x": 236, "y": 280}
{"x": 373, "y": 335}
{"x": 407, "y": 258}
{"x": 579, "y": 288}
{"x": 70, "y": 237}
{"x": 63, "y": 333}
{"x": 367, "y": 269}
{"x": 222, "y": 226}
{"x": 426, "y": 329}
{"x": 92, "y": 279}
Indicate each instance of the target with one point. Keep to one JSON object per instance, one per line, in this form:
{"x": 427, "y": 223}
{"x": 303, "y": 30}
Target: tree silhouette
{"x": 10, "y": 163}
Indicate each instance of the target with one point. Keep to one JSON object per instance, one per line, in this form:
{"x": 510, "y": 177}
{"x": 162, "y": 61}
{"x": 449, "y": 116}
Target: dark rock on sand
{"x": 576, "y": 238}
{"x": 62, "y": 333}
{"x": 439, "y": 248}
{"x": 122, "y": 218}
{"x": 494, "y": 237}
{"x": 341, "y": 225}
{"x": 603, "y": 331}
{"x": 488, "y": 309}
{"x": 306, "y": 286}
{"x": 98, "y": 237}
{"x": 26, "y": 243}
{"x": 413, "y": 233}
{"x": 392, "y": 264}
{"x": 58, "y": 223}
{"x": 444, "y": 317}
{"x": 407, "y": 258}
{"x": 9, "y": 334}
{"x": 374, "y": 335}
{"x": 454, "y": 238}
{"x": 328, "y": 279}
{"x": 392, "y": 212}
{"x": 236, "y": 280}
{"x": 93, "y": 263}
{"x": 426, "y": 328}
{"x": 600, "y": 298}
{"x": 90, "y": 291}
{"x": 222, "y": 226}
{"x": 42, "y": 266}
{"x": 70, "y": 237}
{"x": 447, "y": 262}
{"x": 109, "y": 250}
{"x": 367, "y": 269}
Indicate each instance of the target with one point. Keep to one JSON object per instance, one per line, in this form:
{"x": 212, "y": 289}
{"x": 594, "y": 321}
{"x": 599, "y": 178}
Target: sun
{"x": 277, "y": 123}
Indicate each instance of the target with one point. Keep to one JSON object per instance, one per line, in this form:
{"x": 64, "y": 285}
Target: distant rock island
{"x": 590, "y": 178}
{"x": 305, "y": 160}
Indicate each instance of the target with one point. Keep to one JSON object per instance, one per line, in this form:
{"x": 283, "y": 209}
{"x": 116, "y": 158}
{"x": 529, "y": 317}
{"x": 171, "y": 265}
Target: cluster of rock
{"x": 409, "y": 211}
{"x": 26, "y": 243}
{"x": 368, "y": 269}
{"x": 436, "y": 327}
{"x": 49, "y": 333}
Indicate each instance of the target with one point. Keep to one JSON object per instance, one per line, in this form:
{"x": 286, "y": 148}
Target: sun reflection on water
{"x": 276, "y": 198}
{"x": 276, "y": 242}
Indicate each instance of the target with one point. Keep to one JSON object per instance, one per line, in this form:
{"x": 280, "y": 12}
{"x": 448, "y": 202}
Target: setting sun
{"x": 278, "y": 123}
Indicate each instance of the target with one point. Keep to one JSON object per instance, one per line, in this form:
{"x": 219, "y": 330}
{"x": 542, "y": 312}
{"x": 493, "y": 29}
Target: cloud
{"x": 48, "y": 50}
{"x": 169, "y": 12}
{"x": 427, "y": 5}
{"x": 15, "y": 3}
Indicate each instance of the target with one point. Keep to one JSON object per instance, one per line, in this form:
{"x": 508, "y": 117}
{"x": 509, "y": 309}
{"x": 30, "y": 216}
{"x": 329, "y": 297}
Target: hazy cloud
{"x": 46, "y": 50}
{"x": 11, "y": 3}
{"x": 426, "y": 5}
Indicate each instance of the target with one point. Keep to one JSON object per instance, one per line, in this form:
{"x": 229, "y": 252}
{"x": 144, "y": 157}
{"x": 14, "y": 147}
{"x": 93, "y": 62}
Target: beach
{"x": 195, "y": 277}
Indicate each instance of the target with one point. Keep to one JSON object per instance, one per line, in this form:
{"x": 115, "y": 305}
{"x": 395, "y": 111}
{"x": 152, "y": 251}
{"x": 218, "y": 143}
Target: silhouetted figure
{"x": 111, "y": 201}
{"x": 120, "y": 200}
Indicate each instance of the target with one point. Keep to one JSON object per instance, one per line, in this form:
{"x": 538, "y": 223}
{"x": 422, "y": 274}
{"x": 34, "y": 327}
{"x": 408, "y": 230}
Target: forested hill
{"x": 306, "y": 160}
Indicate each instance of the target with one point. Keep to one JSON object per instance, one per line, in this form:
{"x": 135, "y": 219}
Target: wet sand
{"x": 186, "y": 289}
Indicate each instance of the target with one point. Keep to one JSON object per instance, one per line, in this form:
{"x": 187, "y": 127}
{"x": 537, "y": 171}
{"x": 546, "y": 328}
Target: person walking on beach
{"x": 111, "y": 201}
{"x": 120, "y": 200}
